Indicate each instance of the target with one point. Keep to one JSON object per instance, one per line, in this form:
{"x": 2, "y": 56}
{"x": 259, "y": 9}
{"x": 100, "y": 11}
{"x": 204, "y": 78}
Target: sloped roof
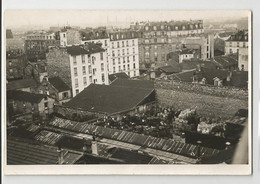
{"x": 239, "y": 79}
{"x": 108, "y": 99}
{"x": 241, "y": 35}
{"x": 141, "y": 84}
{"x": 25, "y": 96}
{"x": 59, "y": 84}
{"x": 88, "y": 48}
{"x": 227, "y": 60}
{"x": 20, "y": 84}
{"x": 121, "y": 75}
{"x": 171, "y": 69}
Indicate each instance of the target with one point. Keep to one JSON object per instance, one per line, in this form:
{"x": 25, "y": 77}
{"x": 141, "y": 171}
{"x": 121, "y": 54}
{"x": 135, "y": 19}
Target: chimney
{"x": 60, "y": 155}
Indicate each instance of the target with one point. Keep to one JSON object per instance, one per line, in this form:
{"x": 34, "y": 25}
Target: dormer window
{"x": 111, "y": 37}
{"x": 176, "y": 28}
{"x": 162, "y": 27}
{"x": 183, "y": 27}
{"x": 117, "y": 36}
{"x": 146, "y": 28}
{"x": 154, "y": 28}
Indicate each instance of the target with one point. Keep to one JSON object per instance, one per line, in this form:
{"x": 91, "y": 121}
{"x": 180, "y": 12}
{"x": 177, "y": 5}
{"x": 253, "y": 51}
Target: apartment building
{"x": 69, "y": 36}
{"x": 124, "y": 53}
{"x": 243, "y": 59}
{"x": 236, "y": 42}
{"x": 87, "y": 65}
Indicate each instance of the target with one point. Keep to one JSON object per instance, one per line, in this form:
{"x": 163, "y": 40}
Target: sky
{"x": 94, "y": 18}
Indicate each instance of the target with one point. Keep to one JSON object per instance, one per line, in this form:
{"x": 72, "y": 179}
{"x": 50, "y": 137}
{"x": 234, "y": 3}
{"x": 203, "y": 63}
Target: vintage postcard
{"x": 140, "y": 92}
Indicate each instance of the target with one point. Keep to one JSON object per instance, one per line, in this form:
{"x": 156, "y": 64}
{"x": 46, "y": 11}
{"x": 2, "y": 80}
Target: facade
{"x": 243, "y": 59}
{"x": 21, "y": 103}
{"x": 36, "y": 45}
{"x": 124, "y": 53}
{"x": 15, "y": 62}
{"x": 87, "y": 65}
{"x": 36, "y": 70}
{"x": 236, "y": 42}
{"x": 158, "y": 39}
{"x": 28, "y": 85}
{"x": 69, "y": 36}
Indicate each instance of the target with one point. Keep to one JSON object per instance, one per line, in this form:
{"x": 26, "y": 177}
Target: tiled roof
{"x": 121, "y": 75}
{"x": 88, "y": 48}
{"x": 108, "y": 99}
{"x": 20, "y": 84}
{"x": 59, "y": 84}
{"x": 146, "y": 84}
{"x": 25, "y": 96}
{"x": 167, "y": 145}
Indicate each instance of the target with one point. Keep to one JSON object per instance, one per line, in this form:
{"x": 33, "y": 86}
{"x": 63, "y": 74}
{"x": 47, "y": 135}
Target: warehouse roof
{"x": 108, "y": 99}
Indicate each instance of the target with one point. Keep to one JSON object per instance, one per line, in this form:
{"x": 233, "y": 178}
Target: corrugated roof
{"x": 108, "y": 99}
{"x": 25, "y": 96}
{"x": 20, "y": 84}
{"x": 168, "y": 145}
{"x": 59, "y": 84}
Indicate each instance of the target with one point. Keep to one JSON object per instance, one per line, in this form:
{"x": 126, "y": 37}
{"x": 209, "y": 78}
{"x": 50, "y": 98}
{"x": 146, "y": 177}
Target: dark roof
{"x": 20, "y": 84}
{"x": 226, "y": 34}
{"x": 123, "y": 35}
{"x": 88, "y": 48}
{"x": 59, "y": 84}
{"x": 187, "y": 51}
{"x": 93, "y": 35}
{"x": 23, "y": 153}
{"x": 226, "y": 60}
{"x": 239, "y": 79}
{"x": 218, "y": 53}
{"x": 171, "y": 69}
{"x": 108, "y": 99}
{"x": 121, "y": 75}
{"x": 239, "y": 36}
{"x": 30, "y": 153}
{"x": 146, "y": 84}
{"x": 25, "y": 96}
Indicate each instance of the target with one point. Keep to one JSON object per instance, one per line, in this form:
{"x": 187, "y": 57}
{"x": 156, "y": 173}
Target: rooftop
{"x": 141, "y": 84}
{"x": 25, "y": 96}
{"x": 88, "y": 48}
{"x": 121, "y": 75}
{"x": 20, "y": 84}
{"x": 239, "y": 36}
{"x": 58, "y": 84}
{"x": 171, "y": 69}
{"x": 108, "y": 99}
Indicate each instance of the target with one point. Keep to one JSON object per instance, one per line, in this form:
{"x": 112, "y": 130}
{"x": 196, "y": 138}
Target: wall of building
{"x": 95, "y": 71}
{"x": 15, "y": 66}
{"x": 59, "y": 64}
{"x": 45, "y": 111}
{"x": 243, "y": 59}
{"x": 70, "y": 37}
{"x": 62, "y": 99}
{"x": 234, "y": 46}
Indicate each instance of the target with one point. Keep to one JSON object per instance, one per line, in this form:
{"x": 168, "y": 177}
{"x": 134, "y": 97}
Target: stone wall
{"x": 212, "y": 102}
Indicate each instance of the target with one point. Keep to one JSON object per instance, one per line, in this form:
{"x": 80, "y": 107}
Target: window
{"x": 134, "y": 73}
{"x": 155, "y": 47}
{"x": 127, "y": 43}
{"x": 74, "y": 60}
{"x": 93, "y": 60}
{"x": 10, "y": 63}
{"x": 118, "y": 52}
{"x": 84, "y": 70}
{"x": 94, "y": 71}
{"x": 155, "y": 54}
{"x": 119, "y": 60}
{"x": 77, "y": 91}
{"x": 118, "y": 45}
{"x": 83, "y": 59}
{"x": 95, "y": 81}
{"x": 230, "y": 51}
{"x": 11, "y": 70}
{"x": 128, "y": 67}
{"x": 133, "y": 58}
{"x": 114, "y": 69}
{"x": 76, "y": 83}
{"x": 146, "y": 41}
{"x": 147, "y": 54}
{"x": 103, "y": 77}
{"x": 101, "y": 56}
{"x": 75, "y": 72}
{"x": 244, "y": 44}
{"x": 124, "y": 67}
{"x": 123, "y": 52}
{"x": 114, "y": 62}
{"x": 242, "y": 67}
{"x": 155, "y": 40}
{"x": 113, "y": 53}
{"x": 133, "y": 42}
{"x": 105, "y": 42}
{"x": 45, "y": 98}
{"x": 65, "y": 95}
{"x": 64, "y": 35}
{"x": 128, "y": 73}
{"x": 123, "y": 43}
{"x": 237, "y": 44}
{"x": 134, "y": 65}
{"x": 102, "y": 67}
{"x": 46, "y": 105}
{"x": 89, "y": 70}
{"x": 128, "y": 60}
{"x": 90, "y": 79}
{"x": 119, "y": 68}
{"x": 112, "y": 45}
{"x": 85, "y": 81}
{"x": 127, "y": 51}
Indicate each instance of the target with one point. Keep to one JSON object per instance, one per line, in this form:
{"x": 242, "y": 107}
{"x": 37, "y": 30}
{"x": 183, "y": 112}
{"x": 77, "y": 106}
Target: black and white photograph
{"x": 128, "y": 91}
